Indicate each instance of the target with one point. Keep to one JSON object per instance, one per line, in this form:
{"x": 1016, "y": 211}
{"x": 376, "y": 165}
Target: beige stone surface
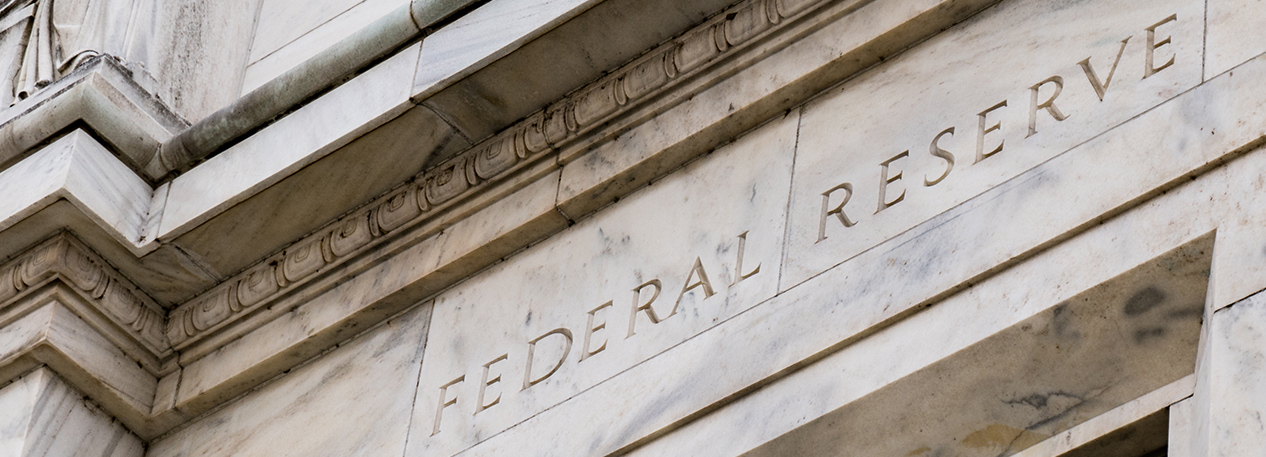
{"x": 1235, "y": 34}
{"x": 354, "y": 400}
{"x": 917, "y": 264}
{"x": 686, "y": 234}
{"x": 41, "y": 416}
{"x": 1156, "y": 401}
{"x": 1236, "y": 368}
{"x": 797, "y": 238}
{"x": 327, "y": 316}
{"x": 290, "y": 143}
{"x": 855, "y": 36}
{"x": 890, "y": 116}
{"x": 289, "y": 32}
{"x": 488, "y": 33}
{"x": 194, "y": 78}
{"x": 79, "y": 169}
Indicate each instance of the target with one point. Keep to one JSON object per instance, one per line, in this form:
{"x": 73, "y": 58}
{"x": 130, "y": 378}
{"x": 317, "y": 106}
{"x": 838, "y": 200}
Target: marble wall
{"x": 1032, "y": 223}
{"x": 41, "y": 416}
{"x": 353, "y": 400}
{"x": 289, "y": 32}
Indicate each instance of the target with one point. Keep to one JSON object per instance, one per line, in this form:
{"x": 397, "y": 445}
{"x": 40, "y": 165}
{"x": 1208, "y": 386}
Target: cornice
{"x": 101, "y": 94}
{"x": 65, "y": 259}
{"x": 481, "y": 183}
{"x": 564, "y": 124}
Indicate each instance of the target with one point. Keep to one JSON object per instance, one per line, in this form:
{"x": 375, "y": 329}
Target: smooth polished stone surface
{"x": 1235, "y": 34}
{"x": 194, "y": 78}
{"x": 1079, "y": 358}
{"x": 1237, "y": 379}
{"x": 679, "y": 243}
{"x": 1121, "y": 416}
{"x": 297, "y": 328}
{"x": 862, "y": 34}
{"x": 281, "y": 22}
{"x": 485, "y": 35}
{"x": 41, "y": 416}
{"x": 79, "y": 169}
{"x": 317, "y": 33}
{"x": 1239, "y": 258}
{"x": 947, "y": 253}
{"x": 1182, "y": 428}
{"x": 868, "y": 145}
{"x": 354, "y": 400}
{"x": 285, "y": 146}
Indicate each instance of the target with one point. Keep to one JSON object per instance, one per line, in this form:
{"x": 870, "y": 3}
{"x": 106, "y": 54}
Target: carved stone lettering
{"x": 739, "y": 276}
{"x": 1150, "y": 67}
{"x": 646, "y": 307}
{"x": 885, "y": 180}
{"x": 837, "y": 211}
{"x": 984, "y": 128}
{"x": 528, "y": 379}
{"x": 700, "y": 277}
{"x": 445, "y": 402}
{"x": 1101, "y": 87}
{"x": 1048, "y": 105}
{"x": 590, "y": 328}
{"x": 936, "y": 150}
{"x": 485, "y": 383}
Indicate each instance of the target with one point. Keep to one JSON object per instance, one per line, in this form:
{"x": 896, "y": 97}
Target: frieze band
{"x": 559, "y": 124}
{"x": 118, "y": 299}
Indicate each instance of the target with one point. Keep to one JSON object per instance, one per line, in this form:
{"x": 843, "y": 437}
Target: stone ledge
{"x": 403, "y": 270}
{"x": 493, "y": 168}
{"x": 79, "y": 170}
{"x": 134, "y": 319}
{"x": 102, "y": 95}
{"x": 52, "y": 326}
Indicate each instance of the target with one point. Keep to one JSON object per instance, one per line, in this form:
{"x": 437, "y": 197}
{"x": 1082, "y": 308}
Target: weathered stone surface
{"x": 1235, "y": 380}
{"x": 1234, "y": 34}
{"x": 632, "y": 227}
{"x": 353, "y": 401}
{"x": 649, "y": 273}
{"x": 289, "y": 32}
{"x": 174, "y": 43}
{"x": 908, "y": 141}
{"x": 44, "y": 417}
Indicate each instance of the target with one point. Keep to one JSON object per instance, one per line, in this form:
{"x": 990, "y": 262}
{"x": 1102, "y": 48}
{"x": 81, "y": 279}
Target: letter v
{"x": 1102, "y": 86}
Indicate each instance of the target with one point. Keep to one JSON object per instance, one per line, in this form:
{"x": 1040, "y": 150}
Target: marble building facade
{"x": 632, "y": 227}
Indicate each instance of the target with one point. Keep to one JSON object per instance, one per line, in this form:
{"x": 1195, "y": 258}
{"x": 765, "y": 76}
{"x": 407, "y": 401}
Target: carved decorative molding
{"x": 118, "y": 299}
{"x": 533, "y": 138}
